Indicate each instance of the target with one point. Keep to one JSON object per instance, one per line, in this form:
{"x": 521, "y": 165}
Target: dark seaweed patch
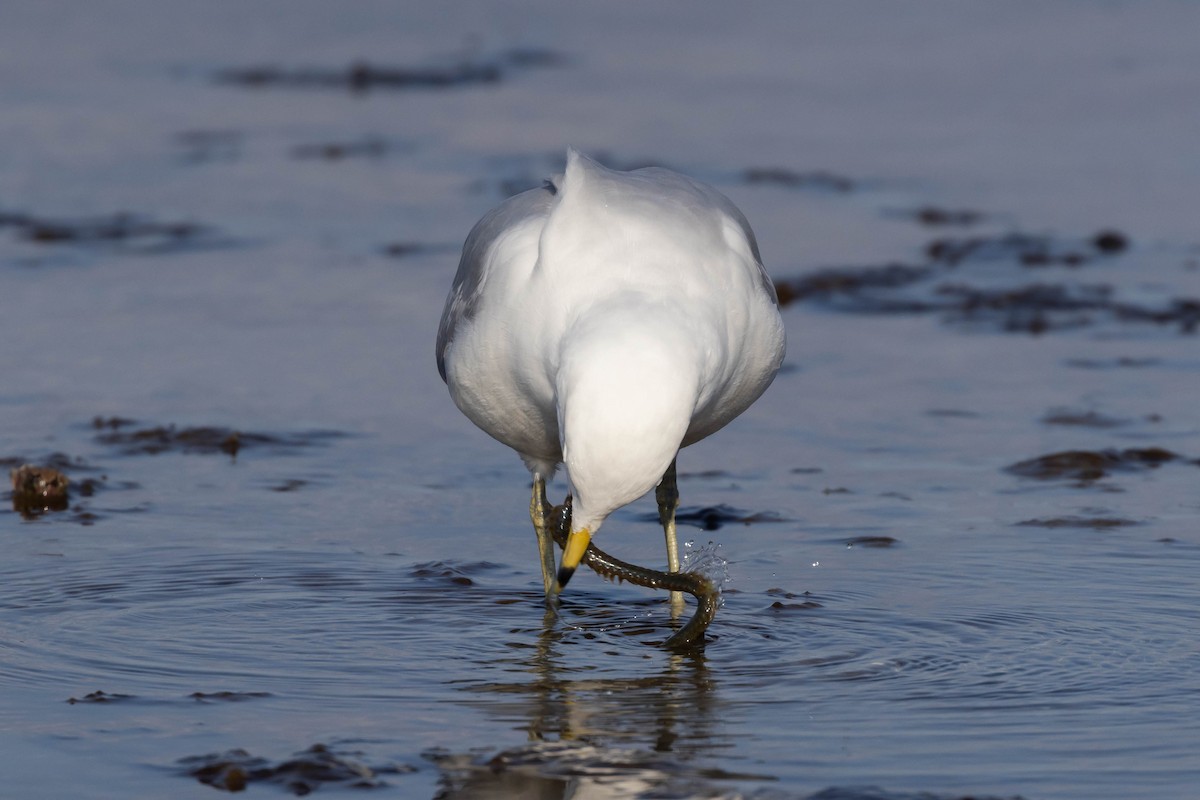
{"x": 1110, "y": 241}
{"x": 1094, "y": 523}
{"x": 1123, "y": 362}
{"x": 1028, "y": 250}
{"x": 369, "y": 148}
{"x": 806, "y": 605}
{"x": 1083, "y": 419}
{"x": 777, "y": 176}
{"x": 875, "y": 793}
{"x": 858, "y": 286}
{"x": 456, "y": 574}
{"x": 934, "y": 217}
{"x": 1088, "y": 466}
{"x": 112, "y": 423}
{"x": 1182, "y": 311}
{"x": 363, "y": 76}
{"x": 1035, "y": 308}
{"x": 161, "y": 439}
{"x": 227, "y": 697}
{"x": 37, "y": 490}
{"x": 707, "y": 474}
{"x": 128, "y": 232}
{"x": 404, "y": 249}
{"x": 304, "y": 773}
{"x": 204, "y": 439}
{"x": 99, "y": 696}
{"x": 951, "y": 413}
{"x": 877, "y": 542}
{"x": 776, "y": 591}
{"x": 710, "y": 518}
{"x": 409, "y": 249}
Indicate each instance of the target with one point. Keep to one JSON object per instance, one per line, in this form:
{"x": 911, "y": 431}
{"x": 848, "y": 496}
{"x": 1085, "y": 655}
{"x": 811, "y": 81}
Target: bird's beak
{"x": 577, "y": 544}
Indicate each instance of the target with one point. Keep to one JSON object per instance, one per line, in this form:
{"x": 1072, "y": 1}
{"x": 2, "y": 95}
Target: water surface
{"x": 290, "y": 564}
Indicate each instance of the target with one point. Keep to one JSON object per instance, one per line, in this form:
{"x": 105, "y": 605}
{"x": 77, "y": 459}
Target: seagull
{"x": 602, "y": 322}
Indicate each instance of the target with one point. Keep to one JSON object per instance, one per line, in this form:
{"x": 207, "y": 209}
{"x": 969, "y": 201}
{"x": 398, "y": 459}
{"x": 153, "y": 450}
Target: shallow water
{"x": 184, "y": 256}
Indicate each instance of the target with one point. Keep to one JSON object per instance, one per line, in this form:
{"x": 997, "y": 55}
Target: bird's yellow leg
{"x": 538, "y": 511}
{"x": 667, "y": 495}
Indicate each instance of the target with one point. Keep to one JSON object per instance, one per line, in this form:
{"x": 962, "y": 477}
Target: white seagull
{"x": 604, "y": 321}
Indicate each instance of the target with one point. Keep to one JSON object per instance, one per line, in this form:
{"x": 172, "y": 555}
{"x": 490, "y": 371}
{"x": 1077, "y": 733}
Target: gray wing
{"x": 466, "y": 292}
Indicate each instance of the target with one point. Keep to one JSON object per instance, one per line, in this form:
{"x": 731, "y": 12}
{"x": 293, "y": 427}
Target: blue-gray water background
{"x": 228, "y": 216}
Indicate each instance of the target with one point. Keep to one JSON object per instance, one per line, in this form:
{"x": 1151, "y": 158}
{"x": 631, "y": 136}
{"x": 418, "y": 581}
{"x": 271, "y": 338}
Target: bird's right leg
{"x": 667, "y": 495}
{"x": 539, "y": 510}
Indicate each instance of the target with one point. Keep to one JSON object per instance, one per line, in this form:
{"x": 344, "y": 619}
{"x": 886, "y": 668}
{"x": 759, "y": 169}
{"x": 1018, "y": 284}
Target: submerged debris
{"x": 1028, "y": 250}
{"x": 1035, "y": 308}
{"x": 804, "y": 604}
{"x": 777, "y": 176}
{"x": 1083, "y": 419}
{"x": 1110, "y": 241}
{"x": 933, "y": 217}
{"x": 1094, "y": 523}
{"x": 710, "y": 518}
{"x": 114, "y": 423}
{"x": 371, "y": 148}
{"x": 37, "y": 490}
{"x": 1088, "y": 466}
{"x": 129, "y": 231}
{"x": 830, "y": 286}
{"x": 160, "y": 439}
{"x": 227, "y": 696}
{"x": 409, "y": 249}
{"x": 100, "y": 696}
{"x": 1123, "y": 362}
{"x": 153, "y": 440}
{"x": 307, "y": 771}
{"x": 877, "y": 542}
{"x": 454, "y": 573}
{"x": 363, "y": 76}
{"x": 42, "y": 484}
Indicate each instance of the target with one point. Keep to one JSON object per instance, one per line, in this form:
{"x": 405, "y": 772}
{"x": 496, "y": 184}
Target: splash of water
{"x": 708, "y": 560}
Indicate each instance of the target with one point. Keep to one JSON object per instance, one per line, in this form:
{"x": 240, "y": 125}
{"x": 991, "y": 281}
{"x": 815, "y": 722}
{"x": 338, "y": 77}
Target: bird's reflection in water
{"x": 594, "y": 737}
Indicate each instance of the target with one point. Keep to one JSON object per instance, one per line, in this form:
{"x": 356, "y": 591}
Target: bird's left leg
{"x": 539, "y": 511}
{"x": 667, "y": 495}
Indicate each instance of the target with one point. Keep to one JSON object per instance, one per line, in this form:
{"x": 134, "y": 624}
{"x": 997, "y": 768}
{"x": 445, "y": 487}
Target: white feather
{"x": 605, "y": 321}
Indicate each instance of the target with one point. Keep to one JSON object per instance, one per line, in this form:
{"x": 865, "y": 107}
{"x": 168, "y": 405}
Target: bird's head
{"x": 574, "y": 542}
